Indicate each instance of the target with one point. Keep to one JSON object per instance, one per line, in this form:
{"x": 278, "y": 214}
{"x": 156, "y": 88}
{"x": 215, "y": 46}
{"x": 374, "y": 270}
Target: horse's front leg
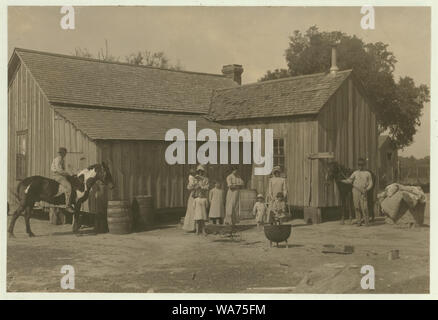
{"x": 27, "y": 219}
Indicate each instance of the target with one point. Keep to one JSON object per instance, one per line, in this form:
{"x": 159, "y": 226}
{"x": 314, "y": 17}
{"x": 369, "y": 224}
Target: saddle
{"x": 77, "y": 183}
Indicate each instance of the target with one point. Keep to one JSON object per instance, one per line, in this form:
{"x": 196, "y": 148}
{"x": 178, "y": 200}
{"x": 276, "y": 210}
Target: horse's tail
{"x": 17, "y": 191}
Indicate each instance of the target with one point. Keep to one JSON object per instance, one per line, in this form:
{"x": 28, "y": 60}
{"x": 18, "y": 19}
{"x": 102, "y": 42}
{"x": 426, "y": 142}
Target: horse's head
{"x": 336, "y": 171}
{"x": 104, "y": 175}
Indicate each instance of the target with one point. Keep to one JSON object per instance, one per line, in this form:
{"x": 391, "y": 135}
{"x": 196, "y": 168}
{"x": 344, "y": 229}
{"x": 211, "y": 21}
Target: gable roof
{"x": 81, "y": 81}
{"x": 110, "y": 124}
{"x": 383, "y": 140}
{"x": 302, "y": 95}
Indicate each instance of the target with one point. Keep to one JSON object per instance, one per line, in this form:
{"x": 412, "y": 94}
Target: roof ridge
{"x": 284, "y": 79}
{"x": 138, "y": 111}
{"x": 113, "y": 62}
{"x": 70, "y": 106}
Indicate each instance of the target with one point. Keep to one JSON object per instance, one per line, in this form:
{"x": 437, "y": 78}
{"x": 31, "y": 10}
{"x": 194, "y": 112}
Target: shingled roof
{"x": 110, "y": 124}
{"x": 82, "y": 81}
{"x": 300, "y": 95}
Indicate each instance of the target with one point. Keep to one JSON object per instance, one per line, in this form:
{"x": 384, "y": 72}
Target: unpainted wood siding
{"x": 300, "y": 140}
{"x": 347, "y": 127}
{"x": 140, "y": 168}
{"x": 28, "y": 109}
{"x": 388, "y": 164}
{"x": 82, "y": 151}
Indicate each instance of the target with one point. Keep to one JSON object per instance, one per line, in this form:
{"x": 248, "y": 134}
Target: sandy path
{"x": 167, "y": 260}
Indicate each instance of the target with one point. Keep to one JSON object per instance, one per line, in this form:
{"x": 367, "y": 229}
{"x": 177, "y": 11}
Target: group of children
{"x": 201, "y": 203}
{"x": 272, "y": 213}
{"x": 263, "y": 213}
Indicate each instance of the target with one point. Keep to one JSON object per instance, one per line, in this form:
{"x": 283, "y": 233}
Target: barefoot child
{"x": 217, "y": 204}
{"x": 200, "y": 205}
{"x": 259, "y": 211}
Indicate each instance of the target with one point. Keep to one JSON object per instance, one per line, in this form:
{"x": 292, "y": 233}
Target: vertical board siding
{"x": 139, "y": 168}
{"x": 82, "y": 151}
{"x": 300, "y": 140}
{"x": 29, "y": 110}
{"x": 347, "y": 127}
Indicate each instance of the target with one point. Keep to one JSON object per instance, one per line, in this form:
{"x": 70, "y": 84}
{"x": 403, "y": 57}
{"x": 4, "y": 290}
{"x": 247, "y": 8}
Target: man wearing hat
{"x": 362, "y": 182}
{"x": 59, "y": 174}
{"x": 276, "y": 184}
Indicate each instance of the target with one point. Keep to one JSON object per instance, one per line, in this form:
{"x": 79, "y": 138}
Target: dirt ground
{"x": 168, "y": 260}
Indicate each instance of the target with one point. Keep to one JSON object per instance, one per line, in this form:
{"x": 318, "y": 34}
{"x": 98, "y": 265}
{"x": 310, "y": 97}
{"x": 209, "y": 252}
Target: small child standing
{"x": 259, "y": 211}
{"x": 200, "y": 205}
{"x": 217, "y": 205}
{"x": 277, "y": 210}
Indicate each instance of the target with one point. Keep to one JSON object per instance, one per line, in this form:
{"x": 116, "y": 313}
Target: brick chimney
{"x": 334, "y": 68}
{"x": 233, "y": 71}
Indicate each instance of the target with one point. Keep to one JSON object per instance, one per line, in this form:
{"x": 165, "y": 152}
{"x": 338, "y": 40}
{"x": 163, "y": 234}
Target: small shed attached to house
{"x": 388, "y": 161}
{"x": 314, "y": 117}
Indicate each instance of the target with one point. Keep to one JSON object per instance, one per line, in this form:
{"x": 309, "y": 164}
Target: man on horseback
{"x": 60, "y": 175}
{"x": 362, "y": 182}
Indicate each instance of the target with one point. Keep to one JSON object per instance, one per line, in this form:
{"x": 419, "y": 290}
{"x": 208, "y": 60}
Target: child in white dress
{"x": 259, "y": 211}
{"x": 217, "y": 203}
{"x": 200, "y": 205}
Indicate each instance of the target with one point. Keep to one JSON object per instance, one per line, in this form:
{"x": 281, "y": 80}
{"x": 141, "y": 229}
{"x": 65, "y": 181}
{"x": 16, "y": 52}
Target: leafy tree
{"x": 144, "y": 58}
{"x": 152, "y": 59}
{"x": 398, "y": 104}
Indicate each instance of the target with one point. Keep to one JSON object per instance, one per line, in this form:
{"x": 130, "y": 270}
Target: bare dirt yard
{"x": 168, "y": 260}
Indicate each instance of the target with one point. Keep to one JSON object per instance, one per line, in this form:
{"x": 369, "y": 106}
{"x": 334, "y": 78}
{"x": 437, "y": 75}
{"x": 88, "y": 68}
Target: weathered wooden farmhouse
{"x": 315, "y": 117}
{"x": 99, "y": 111}
{"x": 120, "y": 113}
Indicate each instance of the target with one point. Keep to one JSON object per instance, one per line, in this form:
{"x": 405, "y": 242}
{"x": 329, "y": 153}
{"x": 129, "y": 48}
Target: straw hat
{"x": 200, "y": 168}
{"x": 276, "y": 169}
{"x": 260, "y": 196}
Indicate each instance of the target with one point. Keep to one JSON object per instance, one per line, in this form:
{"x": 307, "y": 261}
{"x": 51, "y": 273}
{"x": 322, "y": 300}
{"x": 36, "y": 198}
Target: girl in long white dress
{"x": 189, "y": 222}
{"x": 234, "y": 183}
{"x": 217, "y": 204}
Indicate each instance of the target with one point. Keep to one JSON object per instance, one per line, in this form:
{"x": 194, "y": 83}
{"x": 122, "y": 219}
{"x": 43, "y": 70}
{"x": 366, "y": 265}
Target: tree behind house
{"x": 398, "y": 104}
{"x": 143, "y": 58}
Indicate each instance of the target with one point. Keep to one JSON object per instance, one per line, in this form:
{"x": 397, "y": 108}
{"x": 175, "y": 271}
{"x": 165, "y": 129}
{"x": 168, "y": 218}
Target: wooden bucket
{"x": 247, "y": 200}
{"x": 119, "y": 218}
{"x": 145, "y": 210}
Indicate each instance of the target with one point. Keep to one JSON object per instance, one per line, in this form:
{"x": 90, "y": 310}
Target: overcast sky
{"x": 205, "y": 38}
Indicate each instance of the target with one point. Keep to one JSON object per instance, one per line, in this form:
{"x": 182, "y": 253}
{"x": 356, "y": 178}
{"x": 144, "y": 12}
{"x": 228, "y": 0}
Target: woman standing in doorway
{"x": 197, "y": 181}
{"x": 234, "y": 183}
{"x": 276, "y": 184}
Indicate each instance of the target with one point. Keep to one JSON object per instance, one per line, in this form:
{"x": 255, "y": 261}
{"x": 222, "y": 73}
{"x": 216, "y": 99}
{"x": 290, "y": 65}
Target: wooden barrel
{"x": 246, "y": 203}
{"x": 119, "y": 218}
{"x": 145, "y": 210}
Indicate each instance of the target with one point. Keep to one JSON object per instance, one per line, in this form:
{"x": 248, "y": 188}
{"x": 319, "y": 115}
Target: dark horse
{"x": 38, "y": 188}
{"x": 338, "y": 172}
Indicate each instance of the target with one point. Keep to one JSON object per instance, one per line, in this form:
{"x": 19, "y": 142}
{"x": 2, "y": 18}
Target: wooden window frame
{"x": 279, "y": 157}
{"x": 20, "y": 158}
